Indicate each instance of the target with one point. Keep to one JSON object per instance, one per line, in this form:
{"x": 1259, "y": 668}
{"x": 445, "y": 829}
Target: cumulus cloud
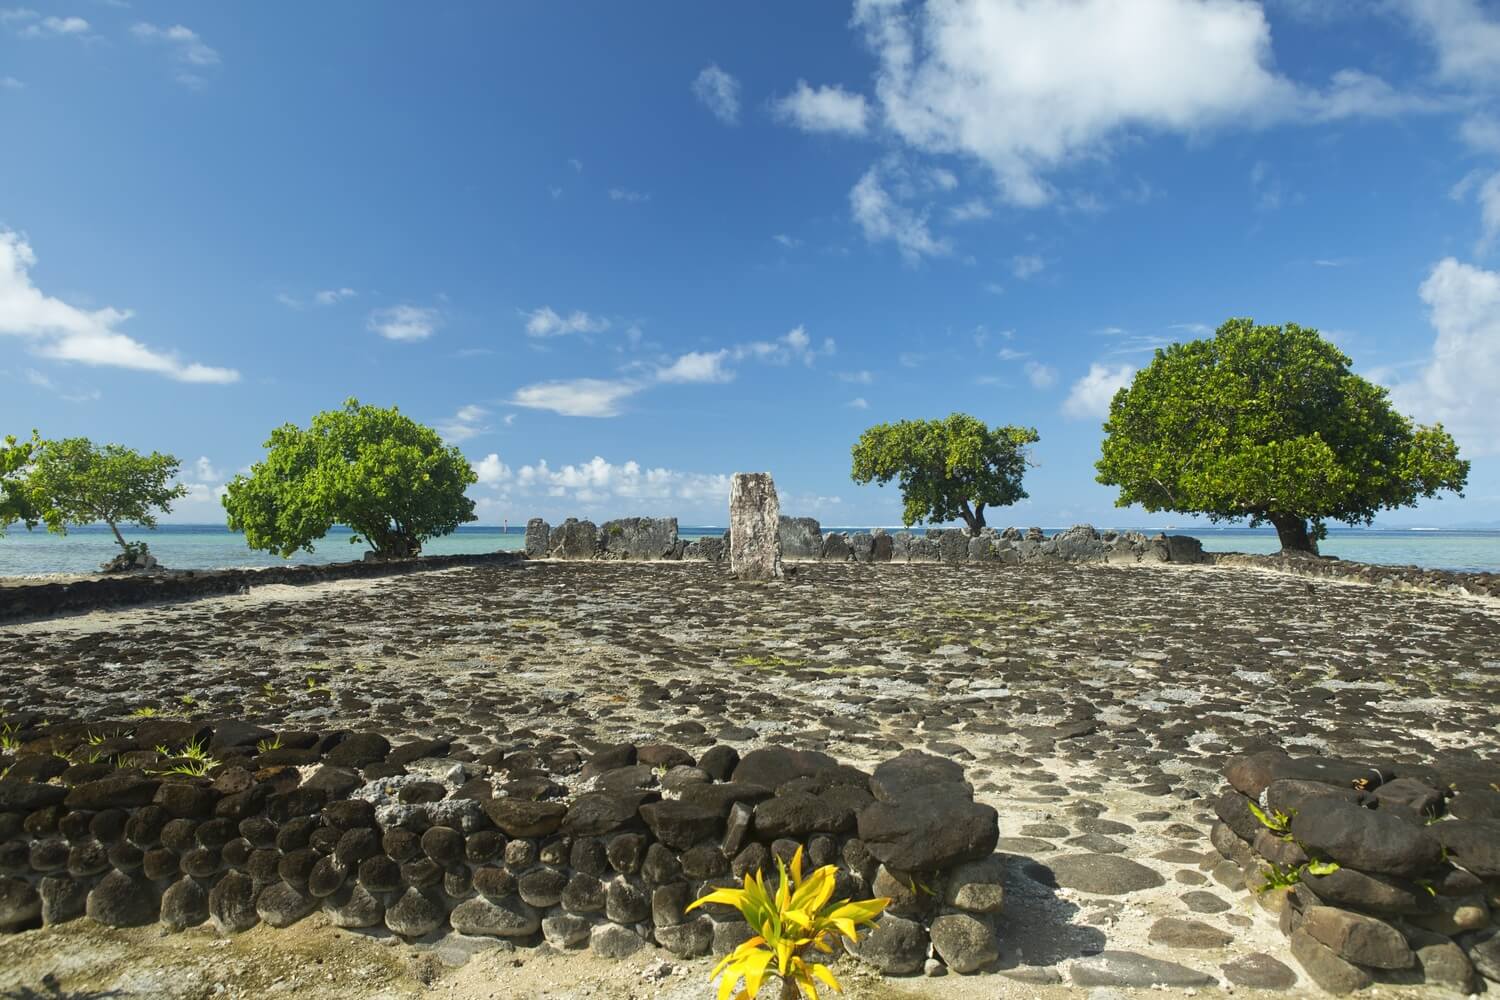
{"x": 627, "y": 195}
{"x": 698, "y": 366}
{"x": 1091, "y": 394}
{"x": 881, "y": 217}
{"x": 547, "y": 322}
{"x": 859, "y": 403}
{"x": 1026, "y": 88}
{"x": 405, "y": 322}
{"x": 597, "y": 481}
{"x": 54, "y": 329}
{"x": 823, "y": 109}
{"x": 1025, "y": 266}
{"x": 580, "y": 397}
{"x": 718, "y": 92}
{"x": 1459, "y": 381}
{"x": 466, "y": 423}
{"x": 491, "y": 471}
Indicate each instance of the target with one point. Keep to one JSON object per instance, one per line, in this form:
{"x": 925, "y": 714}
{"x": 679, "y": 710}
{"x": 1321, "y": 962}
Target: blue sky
{"x": 619, "y": 251}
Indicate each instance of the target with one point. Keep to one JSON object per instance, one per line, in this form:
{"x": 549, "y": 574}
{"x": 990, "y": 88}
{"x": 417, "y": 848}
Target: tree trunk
{"x": 1293, "y": 533}
{"x": 973, "y": 517}
{"x": 118, "y": 537}
{"x": 790, "y": 990}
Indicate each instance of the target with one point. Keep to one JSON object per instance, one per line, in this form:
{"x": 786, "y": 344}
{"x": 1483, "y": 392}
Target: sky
{"x": 617, "y": 252}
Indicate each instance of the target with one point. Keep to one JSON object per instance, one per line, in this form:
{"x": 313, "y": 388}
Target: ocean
{"x": 212, "y": 546}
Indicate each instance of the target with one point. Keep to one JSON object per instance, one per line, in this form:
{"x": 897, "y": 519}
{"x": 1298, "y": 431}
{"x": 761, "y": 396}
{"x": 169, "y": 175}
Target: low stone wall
{"x": 1378, "y": 872}
{"x": 1396, "y": 577}
{"x": 803, "y": 540}
{"x": 40, "y": 600}
{"x": 432, "y": 842}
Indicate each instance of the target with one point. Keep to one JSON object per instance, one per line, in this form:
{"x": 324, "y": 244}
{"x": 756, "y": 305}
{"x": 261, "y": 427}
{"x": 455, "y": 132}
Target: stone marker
{"x": 754, "y": 527}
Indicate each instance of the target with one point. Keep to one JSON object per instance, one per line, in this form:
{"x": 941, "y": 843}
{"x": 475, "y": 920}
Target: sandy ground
{"x": 1072, "y": 695}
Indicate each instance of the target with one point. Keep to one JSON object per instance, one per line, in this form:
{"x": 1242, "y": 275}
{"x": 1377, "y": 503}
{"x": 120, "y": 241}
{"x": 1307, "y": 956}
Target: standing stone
{"x": 801, "y": 537}
{"x": 537, "y": 534}
{"x": 754, "y": 527}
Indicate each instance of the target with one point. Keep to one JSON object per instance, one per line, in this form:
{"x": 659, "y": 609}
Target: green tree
{"x": 15, "y": 458}
{"x": 948, "y": 469}
{"x": 1267, "y": 423}
{"x": 381, "y": 473}
{"x": 74, "y": 482}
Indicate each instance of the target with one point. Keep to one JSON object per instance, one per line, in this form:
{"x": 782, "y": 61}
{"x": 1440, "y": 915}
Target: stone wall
{"x": 41, "y": 600}
{"x": 431, "y": 842}
{"x": 803, "y": 540}
{"x": 1378, "y": 872}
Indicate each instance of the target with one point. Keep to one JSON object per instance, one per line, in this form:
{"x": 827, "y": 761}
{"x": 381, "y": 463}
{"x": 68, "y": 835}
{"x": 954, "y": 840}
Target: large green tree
{"x": 948, "y": 469}
{"x": 15, "y": 458}
{"x": 1268, "y": 424}
{"x": 387, "y": 477}
{"x": 75, "y": 482}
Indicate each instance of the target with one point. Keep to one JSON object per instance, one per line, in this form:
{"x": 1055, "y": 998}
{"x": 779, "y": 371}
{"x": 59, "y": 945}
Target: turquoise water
{"x": 194, "y": 546}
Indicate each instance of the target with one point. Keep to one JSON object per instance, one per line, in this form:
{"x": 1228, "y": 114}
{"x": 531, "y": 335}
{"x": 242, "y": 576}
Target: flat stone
{"x": 507, "y": 917}
{"x": 1104, "y": 874}
{"x": 1128, "y": 969}
{"x": 614, "y": 941}
{"x": 965, "y": 943}
{"x": 1357, "y": 938}
{"x": 1202, "y": 901}
{"x": 1260, "y": 972}
{"x": 1174, "y": 932}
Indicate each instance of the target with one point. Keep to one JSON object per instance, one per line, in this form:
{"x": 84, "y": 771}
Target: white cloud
{"x": 790, "y": 242}
{"x": 1025, "y": 266}
{"x": 1011, "y": 354}
{"x": 719, "y": 92}
{"x": 598, "y": 481}
{"x": 333, "y": 296}
{"x": 970, "y": 210}
{"x": 54, "y": 329}
{"x": 1040, "y": 376}
{"x": 698, "y": 366}
{"x": 405, "y": 322}
{"x": 881, "y": 217}
{"x": 796, "y": 345}
{"x": 547, "y": 322}
{"x": 1027, "y": 87}
{"x": 491, "y": 471}
{"x": 583, "y": 397}
{"x": 33, "y": 25}
{"x": 1486, "y": 191}
{"x": 11, "y": 83}
{"x": 823, "y": 109}
{"x": 1459, "y": 382}
{"x": 466, "y": 423}
{"x": 205, "y": 472}
{"x": 859, "y": 403}
{"x": 1091, "y": 394}
{"x": 860, "y": 377}
{"x": 186, "y": 45}
{"x": 627, "y": 195}
{"x": 1467, "y": 42}
{"x": 291, "y": 302}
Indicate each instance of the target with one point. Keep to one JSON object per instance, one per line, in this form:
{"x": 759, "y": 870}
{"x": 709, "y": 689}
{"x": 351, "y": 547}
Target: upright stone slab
{"x": 537, "y": 534}
{"x": 754, "y": 527}
{"x": 640, "y": 538}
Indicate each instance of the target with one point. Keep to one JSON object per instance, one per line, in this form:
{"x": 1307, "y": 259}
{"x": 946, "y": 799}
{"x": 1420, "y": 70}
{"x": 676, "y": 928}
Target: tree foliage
{"x": 15, "y": 458}
{"x": 1267, "y": 423}
{"x": 948, "y": 469}
{"x": 387, "y": 477}
{"x": 75, "y": 482}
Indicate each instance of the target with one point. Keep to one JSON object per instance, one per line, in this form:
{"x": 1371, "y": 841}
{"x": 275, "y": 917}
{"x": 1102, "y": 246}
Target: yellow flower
{"x": 800, "y": 917}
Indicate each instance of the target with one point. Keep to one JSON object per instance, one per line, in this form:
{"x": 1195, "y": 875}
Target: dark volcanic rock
{"x": 521, "y": 818}
{"x": 282, "y": 905}
{"x": 1130, "y": 970}
{"x": 20, "y": 905}
{"x": 929, "y": 830}
{"x": 772, "y": 767}
{"x": 184, "y": 904}
{"x": 1365, "y": 839}
{"x": 121, "y": 791}
{"x": 1473, "y": 844}
{"x": 121, "y": 901}
{"x": 680, "y": 825}
{"x": 797, "y": 814}
{"x": 913, "y": 770}
{"x": 595, "y": 814}
{"x": 231, "y": 904}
